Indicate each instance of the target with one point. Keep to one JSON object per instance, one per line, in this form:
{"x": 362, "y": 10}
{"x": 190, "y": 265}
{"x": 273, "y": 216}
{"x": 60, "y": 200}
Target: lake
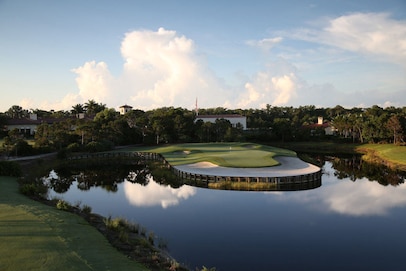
{"x": 355, "y": 220}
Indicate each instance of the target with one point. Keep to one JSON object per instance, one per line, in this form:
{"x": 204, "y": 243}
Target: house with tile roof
{"x": 326, "y": 126}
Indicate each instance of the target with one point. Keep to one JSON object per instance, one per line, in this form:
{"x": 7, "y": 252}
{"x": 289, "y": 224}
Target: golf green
{"x": 238, "y": 155}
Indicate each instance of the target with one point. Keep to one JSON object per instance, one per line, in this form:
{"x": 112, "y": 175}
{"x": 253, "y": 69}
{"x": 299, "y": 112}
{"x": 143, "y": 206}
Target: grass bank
{"x": 389, "y": 154}
{"x": 34, "y": 236}
{"x": 222, "y": 154}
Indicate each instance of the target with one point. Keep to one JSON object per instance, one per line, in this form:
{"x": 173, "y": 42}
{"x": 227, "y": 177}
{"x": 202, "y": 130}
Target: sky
{"x": 232, "y": 54}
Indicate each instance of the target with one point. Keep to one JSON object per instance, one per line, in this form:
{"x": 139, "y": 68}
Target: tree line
{"x": 103, "y": 127}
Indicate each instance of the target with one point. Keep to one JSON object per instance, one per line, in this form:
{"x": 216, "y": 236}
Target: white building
{"x": 124, "y": 109}
{"x": 233, "y": 118}
{"x": 26, "y": 126}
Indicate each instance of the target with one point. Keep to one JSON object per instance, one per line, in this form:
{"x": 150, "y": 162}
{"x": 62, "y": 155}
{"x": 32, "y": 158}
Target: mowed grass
{"x": 389, "y": 152}
{"x": 34, "y": 236}
{"x": 222, "y": 154}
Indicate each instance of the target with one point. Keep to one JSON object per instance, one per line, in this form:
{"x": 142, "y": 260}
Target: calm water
{"x": 349, "y": 223}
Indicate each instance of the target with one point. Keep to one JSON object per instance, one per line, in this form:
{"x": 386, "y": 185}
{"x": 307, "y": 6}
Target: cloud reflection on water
{"x": 154, "y": 194}
{"x": 359, "y": 198}
{"x": 363, "y": 197}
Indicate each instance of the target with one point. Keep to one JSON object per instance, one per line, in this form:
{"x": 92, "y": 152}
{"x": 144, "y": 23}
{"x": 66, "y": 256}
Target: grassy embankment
{"x": 391, "y": 155}
{"x": 35, "y": 236}
{"x": 222, "y": 154}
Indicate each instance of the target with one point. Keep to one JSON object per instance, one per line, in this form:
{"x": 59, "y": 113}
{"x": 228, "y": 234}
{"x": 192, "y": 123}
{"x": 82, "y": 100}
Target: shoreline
{"x": 288, "y": 166}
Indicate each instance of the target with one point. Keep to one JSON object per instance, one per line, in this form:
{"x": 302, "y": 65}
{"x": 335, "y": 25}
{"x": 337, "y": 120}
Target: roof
{"x": 126, "y": 106}
{"x": 23, "y": 122}
{"x": 224, "y": 116}
{"x": 316, "y": 125}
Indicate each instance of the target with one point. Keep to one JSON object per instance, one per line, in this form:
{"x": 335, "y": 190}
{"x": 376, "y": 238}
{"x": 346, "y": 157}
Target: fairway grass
{"x": 237, "y": 155}
{"x": 34, "y": 236}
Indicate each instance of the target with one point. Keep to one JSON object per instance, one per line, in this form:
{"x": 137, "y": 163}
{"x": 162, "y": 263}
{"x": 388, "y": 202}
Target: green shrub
{"x": 99, "y": 146}
{"x": 94, "y": 146}
{"x": 86, "y": 209}
{"x": 123, "y": 236}
{"x": 74, "y": 147}
{"x": 112, "y": 224}
{"x": 22, "y": 148}
{"x": 34, "y": 188}
{"x": 63, "y": 205}
{"x": 28, "y": 189}
{"x": 151, "y": 237}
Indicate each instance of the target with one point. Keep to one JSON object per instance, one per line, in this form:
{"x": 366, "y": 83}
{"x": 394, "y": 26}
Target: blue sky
{"x": 239, "y": 54}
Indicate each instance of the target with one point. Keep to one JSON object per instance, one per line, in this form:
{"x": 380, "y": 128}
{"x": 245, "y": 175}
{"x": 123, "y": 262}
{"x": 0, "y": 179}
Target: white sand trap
{"x": 289, "y": 166}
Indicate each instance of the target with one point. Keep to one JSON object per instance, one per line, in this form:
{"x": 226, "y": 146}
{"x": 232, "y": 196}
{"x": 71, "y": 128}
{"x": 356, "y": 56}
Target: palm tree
{"x": 76, "y": 109}
{"x": 92, "y": 107}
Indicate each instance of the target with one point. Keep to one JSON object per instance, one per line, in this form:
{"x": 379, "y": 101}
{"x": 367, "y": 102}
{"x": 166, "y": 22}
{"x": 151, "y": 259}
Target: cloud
{"x": 265, "y": 44}
{"x": 266, "y": 88}
{"x": 154, "y": 194}
{"x": 161, "y": 68}
{"x": 94, "y": 81}
{"x": 367, "y": 33}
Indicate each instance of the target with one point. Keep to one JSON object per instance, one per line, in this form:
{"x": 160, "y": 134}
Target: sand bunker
{"x": 289, "y": 166}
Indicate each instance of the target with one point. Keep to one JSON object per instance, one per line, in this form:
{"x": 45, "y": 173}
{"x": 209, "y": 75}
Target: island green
{"x": 238, "y": 155}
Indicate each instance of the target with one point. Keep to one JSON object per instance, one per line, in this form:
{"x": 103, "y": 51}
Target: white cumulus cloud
{"x": 94, "y": 81}
{"x": 154, "y": 194}
{"x": 268, "y": 88}
{"x": 367, "y": 33}
{"x": 161, "y": 68}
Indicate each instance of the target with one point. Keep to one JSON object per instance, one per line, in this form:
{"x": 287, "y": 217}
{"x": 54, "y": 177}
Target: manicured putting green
{"x": 221, "y": 154}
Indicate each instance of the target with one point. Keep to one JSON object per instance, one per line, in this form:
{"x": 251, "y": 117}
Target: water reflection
{"x": 373, "y": 190}
{"x": 153, "y": 194}
{"x": 361, "y": 197}
{"x": 343, "y": 222}
{"x": 355, "y": 168}
{"x": 61, "y": 179}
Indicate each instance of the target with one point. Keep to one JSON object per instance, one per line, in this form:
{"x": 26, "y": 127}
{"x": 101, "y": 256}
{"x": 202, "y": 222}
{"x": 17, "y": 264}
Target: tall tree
{"x": 395, "y": 126}
{"x": 92, "y": 107}
{"x": 17, "y": 112}
{"x": 77, "y": 109}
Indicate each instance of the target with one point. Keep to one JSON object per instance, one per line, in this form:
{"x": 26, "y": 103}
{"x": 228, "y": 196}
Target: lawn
{"x": 222, "y": 154}
{"x": 34, "y": 236}
{"x": 388, "y": 152}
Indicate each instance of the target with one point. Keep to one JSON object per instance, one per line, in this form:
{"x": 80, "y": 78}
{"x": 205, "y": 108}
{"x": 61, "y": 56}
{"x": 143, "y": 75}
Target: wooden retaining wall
{"x": 288, "y": 180}
{"x": 276, "y": 180}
